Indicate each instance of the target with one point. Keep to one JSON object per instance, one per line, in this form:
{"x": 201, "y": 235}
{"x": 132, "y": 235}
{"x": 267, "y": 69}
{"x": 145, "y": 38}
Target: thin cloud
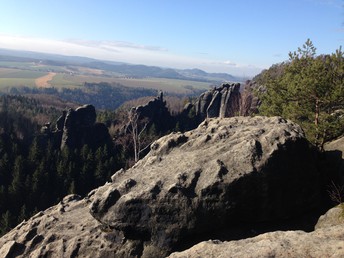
{"x": 116, "y": 45}
{"x": 230, "y": 63}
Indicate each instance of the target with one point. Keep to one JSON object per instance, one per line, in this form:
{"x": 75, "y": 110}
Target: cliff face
{"x": 190, "y": 186}
{"x": 75, "y": 128}
{"x": 155, "y": 112}
{"x": 219, "y": 102}
{"x": 227, "y": 101}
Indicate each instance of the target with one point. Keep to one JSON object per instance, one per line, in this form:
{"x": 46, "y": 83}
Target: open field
{"x": 168, "y": 85}
{"x": 45, "y": 80}
{"x": 14, "y": 74}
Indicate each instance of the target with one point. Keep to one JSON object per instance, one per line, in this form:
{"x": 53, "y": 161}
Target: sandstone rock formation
{"x": 65, "y": 230}
{"x": 224, "y": 172}
{"x": 155, "y": 112}
{"x": 325, "y": 241}
{"x": 249, "y": 102}
{"x": 219, "y": 102}
{"x": 76, "y": 128}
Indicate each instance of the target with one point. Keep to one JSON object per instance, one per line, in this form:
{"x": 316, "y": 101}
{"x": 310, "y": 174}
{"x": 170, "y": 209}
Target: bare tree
{"x": 136, "y": 132}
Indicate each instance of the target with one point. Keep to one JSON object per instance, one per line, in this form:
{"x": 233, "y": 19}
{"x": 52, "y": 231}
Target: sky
{"x": 239, "y": 37}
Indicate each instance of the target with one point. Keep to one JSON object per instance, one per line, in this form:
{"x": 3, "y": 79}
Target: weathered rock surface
{"x": 78, "y": 127}
{"x": 155, "y": 112}
{"x": 333, "y": 217}
{"x": 249, "y": 102}
{"x": 65, "y": 230}
{"x": 219, "y": 102}
{"x": 325, "y": 241}
{"x": 224, "y": 172}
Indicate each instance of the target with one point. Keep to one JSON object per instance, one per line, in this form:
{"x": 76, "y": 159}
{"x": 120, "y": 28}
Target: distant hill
{"x": 124, "y": 69}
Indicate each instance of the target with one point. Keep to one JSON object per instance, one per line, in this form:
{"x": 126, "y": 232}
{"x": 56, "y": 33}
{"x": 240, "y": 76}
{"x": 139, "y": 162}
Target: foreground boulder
{"x": 225, "y": 172}
{"x": 325, "y": 241}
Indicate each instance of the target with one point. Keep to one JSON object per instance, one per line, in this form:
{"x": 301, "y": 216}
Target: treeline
{"x": 23, "y": 116}
{"x": 100, "y": 95}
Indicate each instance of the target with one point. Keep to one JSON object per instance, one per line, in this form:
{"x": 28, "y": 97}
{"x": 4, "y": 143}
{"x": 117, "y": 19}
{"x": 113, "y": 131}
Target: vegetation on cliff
{"x": 308, "y": 89}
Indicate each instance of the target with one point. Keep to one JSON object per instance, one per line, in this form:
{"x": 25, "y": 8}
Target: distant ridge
{"x": 125, "y": 69}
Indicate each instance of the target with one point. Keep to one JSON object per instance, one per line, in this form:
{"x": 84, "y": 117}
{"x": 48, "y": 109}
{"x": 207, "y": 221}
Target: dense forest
{"x": 33, "y": 173}
{"x": 101, "y": 95}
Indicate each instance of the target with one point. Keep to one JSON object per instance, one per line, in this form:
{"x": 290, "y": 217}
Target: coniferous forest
{"x": 34, "y": 174}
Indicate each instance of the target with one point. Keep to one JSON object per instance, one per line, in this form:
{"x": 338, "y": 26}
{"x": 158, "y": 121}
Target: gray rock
{"x": 249, "y": 101}
{"x": 333, "y": 217}
{"x": 64, "y": 230}
{"x": 154, "y": 112}
{"x": 80, "y": 128}
{"x": 325, "y": 241}
{"x": 219, "y": 102}
{"x": 226, "y": 170}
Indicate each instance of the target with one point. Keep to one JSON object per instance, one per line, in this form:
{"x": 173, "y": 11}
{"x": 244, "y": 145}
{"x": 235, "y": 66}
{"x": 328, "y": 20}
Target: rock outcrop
{"x": 190, "y": 185}
{"x": 249, "y": 101}
{"x": 155, "y": 112}
{"x": 219, "y": 102}
{"x": 225, "y": 171}
{"x": 78, "y": 127}
{"x": 325, "y": 241}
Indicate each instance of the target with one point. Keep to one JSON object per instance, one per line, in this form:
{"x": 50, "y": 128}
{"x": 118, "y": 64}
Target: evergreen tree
{"x": 309, "y": 90}
{"x": 6, "y": 222}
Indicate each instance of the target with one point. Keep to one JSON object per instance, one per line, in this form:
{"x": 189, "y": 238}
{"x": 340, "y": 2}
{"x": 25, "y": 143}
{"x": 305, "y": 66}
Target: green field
{"x": 17, "y": 77}
{"x": 16, "y": 82}
{"x": 16, "y": 74}
{"x": 168, "y": 85}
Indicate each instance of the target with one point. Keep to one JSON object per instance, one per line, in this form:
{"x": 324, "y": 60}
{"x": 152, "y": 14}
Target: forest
{"x": 35, "y": 173}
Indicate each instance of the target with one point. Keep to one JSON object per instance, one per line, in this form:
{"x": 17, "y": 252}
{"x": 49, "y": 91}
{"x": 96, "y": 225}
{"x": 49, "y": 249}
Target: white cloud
{"x": 124, "y": 52}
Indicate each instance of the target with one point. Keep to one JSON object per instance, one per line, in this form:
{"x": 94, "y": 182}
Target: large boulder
{"x": 325, "y": 241}
{"x": 225, "y": 172}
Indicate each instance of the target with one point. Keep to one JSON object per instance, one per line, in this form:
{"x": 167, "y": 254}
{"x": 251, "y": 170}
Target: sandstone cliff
{"x": 75, "y": 128}
{"x": 190, "y": 185}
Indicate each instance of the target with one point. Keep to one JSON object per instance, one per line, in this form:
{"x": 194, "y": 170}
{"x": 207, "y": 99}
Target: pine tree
{"x": 309, "y": 90}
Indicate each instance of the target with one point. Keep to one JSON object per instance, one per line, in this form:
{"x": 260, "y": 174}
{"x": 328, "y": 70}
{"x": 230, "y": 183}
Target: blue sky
{"x": 238, "y": 37}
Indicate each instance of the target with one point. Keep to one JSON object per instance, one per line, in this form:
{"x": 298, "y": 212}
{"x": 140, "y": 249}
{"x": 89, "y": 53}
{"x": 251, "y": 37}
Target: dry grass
{"x": 44, "y": 81}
